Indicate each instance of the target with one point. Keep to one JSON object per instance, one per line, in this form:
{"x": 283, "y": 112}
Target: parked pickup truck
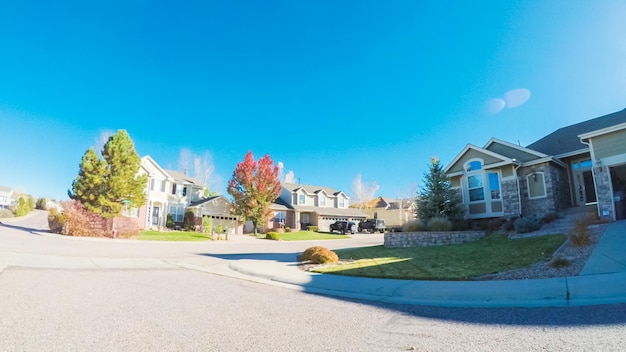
{"x": 372, "y": 225}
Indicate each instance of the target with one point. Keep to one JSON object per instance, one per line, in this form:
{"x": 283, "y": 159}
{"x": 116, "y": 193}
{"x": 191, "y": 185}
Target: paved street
{"x": 98, "y": 307}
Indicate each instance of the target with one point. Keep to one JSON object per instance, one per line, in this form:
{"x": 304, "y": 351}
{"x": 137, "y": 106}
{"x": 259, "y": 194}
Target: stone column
{"x": 604, "y": 192}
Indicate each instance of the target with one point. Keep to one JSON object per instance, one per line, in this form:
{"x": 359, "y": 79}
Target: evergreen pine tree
{"x": 437, "y": 198}
{"x": 90, "y": 183}
{"x": 122, "y": 181}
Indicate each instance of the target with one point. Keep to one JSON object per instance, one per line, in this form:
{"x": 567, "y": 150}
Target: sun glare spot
{"x": 516, "y": 97}
{"x": 495, "y": 105}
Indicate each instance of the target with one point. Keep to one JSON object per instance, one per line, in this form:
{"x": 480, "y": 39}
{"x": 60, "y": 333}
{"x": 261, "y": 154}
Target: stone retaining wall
{"x": 425, "y": 239}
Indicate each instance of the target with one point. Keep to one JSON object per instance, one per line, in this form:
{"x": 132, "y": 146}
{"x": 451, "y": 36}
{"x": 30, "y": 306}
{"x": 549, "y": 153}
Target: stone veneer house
{"x": 299, "y": 206}
{"x": 575, "y": 166}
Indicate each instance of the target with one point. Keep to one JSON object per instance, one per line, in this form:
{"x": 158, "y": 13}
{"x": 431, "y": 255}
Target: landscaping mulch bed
{"x": 577, "y": 256}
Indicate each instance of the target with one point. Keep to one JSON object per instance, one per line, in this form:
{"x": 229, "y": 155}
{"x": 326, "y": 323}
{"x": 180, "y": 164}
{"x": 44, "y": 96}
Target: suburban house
{"x": 219, "y": 209}
{"x": 299, "y": 206}
{"x": 172, "y": 192}
{"x": 575, "y": 166}
{"x": 5, "y": 196}
{"x": 395, "y": 212}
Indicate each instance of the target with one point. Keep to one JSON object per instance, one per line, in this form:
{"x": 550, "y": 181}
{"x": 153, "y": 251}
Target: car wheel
{"x": 360, "y": 229}
{"x": 353, "y": 229}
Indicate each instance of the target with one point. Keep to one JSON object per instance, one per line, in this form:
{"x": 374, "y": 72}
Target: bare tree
{"x": 184, "y": 161}
{"x": 290, "y": 177}
{"x": 200, "y": 167}
{"x": 362, "y": 191}
{"x": 203, "y": 168}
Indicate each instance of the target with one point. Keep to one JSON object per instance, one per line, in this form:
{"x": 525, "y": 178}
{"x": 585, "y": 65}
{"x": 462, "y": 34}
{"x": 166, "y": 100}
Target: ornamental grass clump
{"x": 580, "y": 235}
{"x": 439, "y": 224}
{"x": 319, "y": 255}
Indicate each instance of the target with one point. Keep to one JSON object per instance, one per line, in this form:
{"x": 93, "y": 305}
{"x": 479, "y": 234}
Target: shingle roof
{"x": 565, "y": 140}
{"x": 309, "y": 188}
{"x": 181, "y": 177}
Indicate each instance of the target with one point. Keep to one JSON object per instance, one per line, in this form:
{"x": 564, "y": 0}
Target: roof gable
{"x": 473, "y": 152}
{"x": 292, "y": 187}
{"x": 152, "y": 166}
{"x": 513, "y": 151}
{"x": 182, "y": 178}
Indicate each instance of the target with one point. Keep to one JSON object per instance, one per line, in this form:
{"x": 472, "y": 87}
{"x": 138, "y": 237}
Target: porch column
{"x": 604, "y": 192}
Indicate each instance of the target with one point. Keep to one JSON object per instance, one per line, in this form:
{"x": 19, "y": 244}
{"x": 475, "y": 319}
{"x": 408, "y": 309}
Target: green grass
{"x": 489, "y": 255}
{"x": 149, "y": 235}
{"x": 308, "y": 235}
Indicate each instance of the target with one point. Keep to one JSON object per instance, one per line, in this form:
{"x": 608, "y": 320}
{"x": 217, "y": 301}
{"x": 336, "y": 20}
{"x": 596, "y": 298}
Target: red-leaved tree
{"x": 254, "y": 186}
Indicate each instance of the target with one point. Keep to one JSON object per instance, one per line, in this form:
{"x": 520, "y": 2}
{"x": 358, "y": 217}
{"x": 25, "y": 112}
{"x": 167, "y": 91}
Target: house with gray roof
{"x": 299, "y": 206}
{"x": 575, "y": 166}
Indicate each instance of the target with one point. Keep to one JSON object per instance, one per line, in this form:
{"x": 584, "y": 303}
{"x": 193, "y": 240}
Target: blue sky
{"x": 329, "y": 88}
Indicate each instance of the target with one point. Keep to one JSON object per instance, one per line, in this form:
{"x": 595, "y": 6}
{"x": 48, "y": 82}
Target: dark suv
{"x": 343, "y": 226}
{"x": 372, "y": 225}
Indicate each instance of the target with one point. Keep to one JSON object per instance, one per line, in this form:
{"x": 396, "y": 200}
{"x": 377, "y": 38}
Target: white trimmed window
{"x": 301, "y": 199}
{"x": 280, "y": 216}
{"x": 342, "y": 202}
{"x": 536, "y": 185}
{"x": 494, "y": 185}
{"x": 322, "y": 200}
{"x": 177, "y": 212}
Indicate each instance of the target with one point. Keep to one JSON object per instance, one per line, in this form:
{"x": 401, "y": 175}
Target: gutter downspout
{"x": 519, "y": 191}
{"x": 595, "y": 186}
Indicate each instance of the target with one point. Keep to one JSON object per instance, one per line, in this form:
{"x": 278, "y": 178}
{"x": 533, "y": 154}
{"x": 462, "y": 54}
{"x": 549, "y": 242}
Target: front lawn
{"x": 492, "y": 254}
{"x": 308, "y": 236}
{"x": 149, "y": 235}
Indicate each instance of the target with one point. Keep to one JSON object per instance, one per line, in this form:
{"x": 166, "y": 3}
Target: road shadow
{"x": 23, "y": 228}
{"x": 276, "y": 257}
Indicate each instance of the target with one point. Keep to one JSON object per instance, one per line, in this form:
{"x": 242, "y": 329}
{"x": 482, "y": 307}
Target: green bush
{"x": 41, "y": 204}
{"x": 169, "y": 222}
{"x": 207, "y": 224}
{"x": 287, "y": 229}
{"x": 527, "y": 224}
{"x": 413, "y": 226}
{"x": 312, "y": 228}
{"x": 272, "y": 236}
{"x": 189, "y": 221}
{"x": 579, "y": 235}
{"x": 55, "y": 221}
{"x": 460, "y": 225}
{"x": 319, "y": 255}
{"x": 439, "y": 224}
{"x": 5, "y": 213}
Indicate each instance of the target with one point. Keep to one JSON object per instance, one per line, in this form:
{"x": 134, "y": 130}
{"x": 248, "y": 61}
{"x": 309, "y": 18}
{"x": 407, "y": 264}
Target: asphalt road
{"x": 187, "y": 310}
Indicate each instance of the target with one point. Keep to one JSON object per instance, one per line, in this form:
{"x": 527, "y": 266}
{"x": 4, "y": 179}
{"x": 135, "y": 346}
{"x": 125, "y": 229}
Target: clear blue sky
{"x": 329, "y": 88}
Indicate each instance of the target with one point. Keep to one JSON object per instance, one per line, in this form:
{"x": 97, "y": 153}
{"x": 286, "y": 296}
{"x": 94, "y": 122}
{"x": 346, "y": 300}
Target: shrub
{"x": 439, "y": 224}
{"x": 272, "y": 236}
{"x": 560, "y": 263}
{"x": 412, "y": 226}
{"x": 220, "y": 228}
{"x": 55, "y": 221}
{"x": 548, "y": 218}
{"x": 319, "y": 255}
{"x": 189, "y": 221}
{"x": 509, "y": 225}
{"x": 527, "y": 224}
{"x": 41, "y": 204}
{"x": 207, "y": 224}
{"x": 460, "y": 225}
{"x": 579, "y": 235}
{"x": 5, "y": 213}
{"x": 169, "y": 222}
{"x": 312, "y": 228}
{"x": 81, "y": 222}
{"x": 287, "y": 229}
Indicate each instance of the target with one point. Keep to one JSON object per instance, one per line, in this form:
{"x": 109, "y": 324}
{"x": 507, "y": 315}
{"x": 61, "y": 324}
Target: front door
{"x": 155, "y": 216}
{"x": 584, "y": 187}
